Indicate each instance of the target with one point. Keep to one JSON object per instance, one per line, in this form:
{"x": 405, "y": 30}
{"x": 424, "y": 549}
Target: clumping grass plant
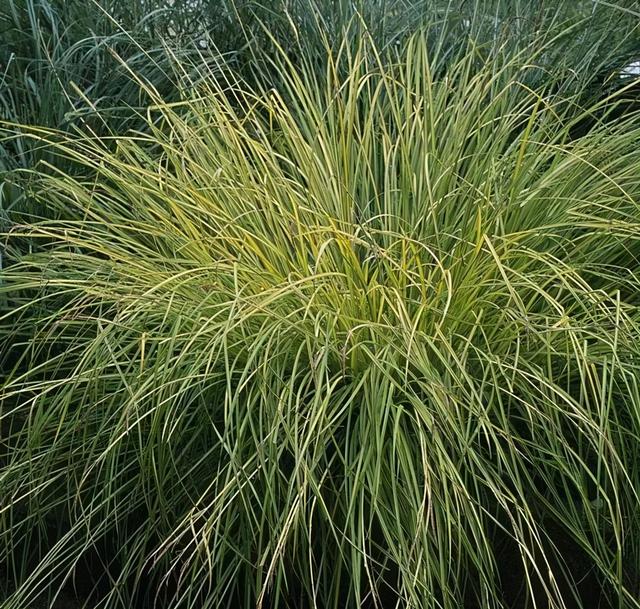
{"x": 369, "y": 339}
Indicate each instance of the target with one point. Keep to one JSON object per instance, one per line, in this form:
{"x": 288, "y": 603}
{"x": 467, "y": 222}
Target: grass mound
{"x": 367, "y": 340}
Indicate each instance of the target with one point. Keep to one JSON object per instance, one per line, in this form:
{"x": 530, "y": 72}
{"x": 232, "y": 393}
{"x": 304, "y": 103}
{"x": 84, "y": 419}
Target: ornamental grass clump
{"x": 367, "y": 340}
